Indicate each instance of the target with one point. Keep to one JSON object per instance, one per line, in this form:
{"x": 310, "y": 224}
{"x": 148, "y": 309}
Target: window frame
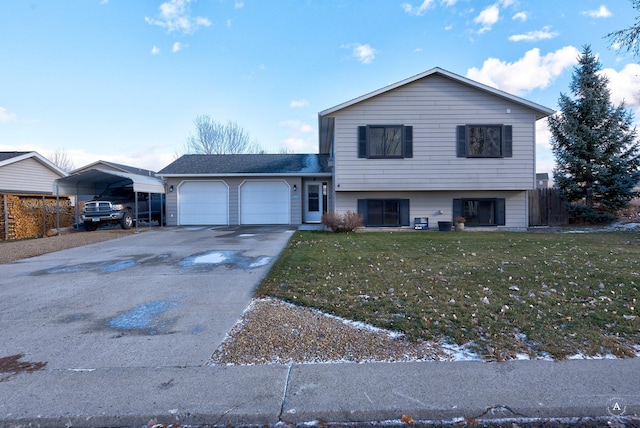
{"x": 499, "y": 211}
{"x": 463, "y": 141}
{"x": 364, "y": 141}
{"x": 402, "y": 211}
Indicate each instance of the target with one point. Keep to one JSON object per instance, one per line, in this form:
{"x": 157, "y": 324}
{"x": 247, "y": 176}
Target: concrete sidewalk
{"x": 268, "y": 394}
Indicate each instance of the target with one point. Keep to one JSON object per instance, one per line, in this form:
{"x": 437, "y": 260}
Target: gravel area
{"x": 11, "y": 251}
{"x": 272, "y": 331}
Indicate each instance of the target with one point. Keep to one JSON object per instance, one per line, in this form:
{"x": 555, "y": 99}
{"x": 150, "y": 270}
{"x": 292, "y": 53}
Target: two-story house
{"x": 435, "y": 145}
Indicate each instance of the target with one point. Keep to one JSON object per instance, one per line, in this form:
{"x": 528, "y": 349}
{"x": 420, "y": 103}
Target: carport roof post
{"x": 86, "y": 183}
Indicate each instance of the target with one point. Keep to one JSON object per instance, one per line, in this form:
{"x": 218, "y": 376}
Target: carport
{"x": 94, "y": 181}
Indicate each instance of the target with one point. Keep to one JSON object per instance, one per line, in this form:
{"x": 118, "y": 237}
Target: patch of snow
{"x": 262, "y": 261}
{"x": 459, "y": 353}
{"x": 581, "y": 356}
{"x": 211, "y": 258}
{"x": 247, "y": 235}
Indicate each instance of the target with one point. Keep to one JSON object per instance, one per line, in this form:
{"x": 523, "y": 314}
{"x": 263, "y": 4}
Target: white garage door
{"x": 203, "y": 202}
{"x": 264, "y": 202}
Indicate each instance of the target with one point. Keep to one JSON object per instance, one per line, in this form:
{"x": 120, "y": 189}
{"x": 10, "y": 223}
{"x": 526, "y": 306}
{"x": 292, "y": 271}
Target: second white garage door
{"x": 203, "y": 203}
{"x": 264, "y": 202}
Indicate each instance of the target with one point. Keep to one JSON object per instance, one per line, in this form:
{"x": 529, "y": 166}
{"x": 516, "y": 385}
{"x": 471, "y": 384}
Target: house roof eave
{"x": 253, "y": 175}
{"x": 541, "y": 111}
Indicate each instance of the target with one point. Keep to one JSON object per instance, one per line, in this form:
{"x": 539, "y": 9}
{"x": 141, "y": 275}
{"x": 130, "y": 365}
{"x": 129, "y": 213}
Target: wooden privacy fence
{"x": 31, "y": 216}
{"x": 547, "y": 208}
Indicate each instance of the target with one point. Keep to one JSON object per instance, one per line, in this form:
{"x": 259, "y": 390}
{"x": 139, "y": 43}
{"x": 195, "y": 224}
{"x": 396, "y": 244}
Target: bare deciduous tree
{"x": 628, "y": 39}
{"x": 62, "y": 160}
{"x": 214, "y": 138}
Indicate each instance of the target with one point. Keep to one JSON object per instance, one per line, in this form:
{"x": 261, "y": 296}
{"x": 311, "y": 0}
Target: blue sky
{"x": 123, "y": 81}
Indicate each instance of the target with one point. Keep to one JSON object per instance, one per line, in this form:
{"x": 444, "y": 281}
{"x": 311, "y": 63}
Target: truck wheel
{"x": 127, "y": 220}
{"x": 90, "y": 227}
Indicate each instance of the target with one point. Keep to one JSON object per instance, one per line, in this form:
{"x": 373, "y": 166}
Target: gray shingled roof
{"x": 8, "y": 155}
{"x": 248, "y": 164}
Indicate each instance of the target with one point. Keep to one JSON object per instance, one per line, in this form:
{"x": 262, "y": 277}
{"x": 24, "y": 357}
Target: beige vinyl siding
{"x": 434, "y": 106}
{"x": 429, "y": 204}
{"x": 27, "y": 176}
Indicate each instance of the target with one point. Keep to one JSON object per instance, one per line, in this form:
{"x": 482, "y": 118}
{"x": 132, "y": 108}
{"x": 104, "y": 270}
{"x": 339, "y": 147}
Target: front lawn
{"x": 502, "y": 293}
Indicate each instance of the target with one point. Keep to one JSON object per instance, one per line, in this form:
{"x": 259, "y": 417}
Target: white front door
{"x": 313, "y": 202}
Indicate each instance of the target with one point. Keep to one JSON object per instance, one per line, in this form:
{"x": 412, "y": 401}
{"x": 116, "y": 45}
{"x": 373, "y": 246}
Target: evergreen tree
{"x": 594, "y": 143}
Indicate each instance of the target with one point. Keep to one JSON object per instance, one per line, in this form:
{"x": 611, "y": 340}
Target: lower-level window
{"x": 384, "y": 212}
{"x": 481, "y": 211}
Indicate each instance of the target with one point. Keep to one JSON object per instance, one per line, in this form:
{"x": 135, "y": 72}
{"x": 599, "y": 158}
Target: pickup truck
{"x": 117, "y": 205}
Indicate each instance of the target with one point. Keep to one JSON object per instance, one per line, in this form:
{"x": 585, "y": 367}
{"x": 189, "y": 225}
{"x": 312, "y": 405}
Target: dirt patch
{"x": 11, "y": 251}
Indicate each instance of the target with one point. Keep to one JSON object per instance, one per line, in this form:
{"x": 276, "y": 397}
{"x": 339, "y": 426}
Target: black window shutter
{"x": 408, "y": 141}
{"x": 362, "y": 141}
{"x": 363, "y": 210}
{"x": 404, "y": 212}
{"x": 461, "y": 141}
{"x": 507, "y": 141}
{"x": 501, "y": 215}
{"x": 457, "y": 208}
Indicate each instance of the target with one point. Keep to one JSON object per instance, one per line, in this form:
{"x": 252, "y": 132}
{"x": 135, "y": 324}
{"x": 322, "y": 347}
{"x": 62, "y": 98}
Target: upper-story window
{"x": 385, "y": 141}
{"x": 484, "y": 141}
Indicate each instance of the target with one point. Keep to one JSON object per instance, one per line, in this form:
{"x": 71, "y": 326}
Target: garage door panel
{"x": 203, "y": 203}
{"x": 264, "y": 202}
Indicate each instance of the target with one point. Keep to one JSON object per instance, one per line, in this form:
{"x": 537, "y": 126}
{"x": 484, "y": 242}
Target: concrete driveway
{"x": 160, "y": 298}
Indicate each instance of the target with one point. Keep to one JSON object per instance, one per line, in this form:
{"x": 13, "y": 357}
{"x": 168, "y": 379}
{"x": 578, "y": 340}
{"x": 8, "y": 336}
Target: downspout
{"x": 136, "y": 209}
{"x": 6, "y": 216}
{"x": 44, "y": 216}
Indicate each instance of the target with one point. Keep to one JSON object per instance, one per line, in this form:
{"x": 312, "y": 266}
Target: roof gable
{"x": 248, "y": 164}
{"x": 117, "y": 167}
{"x": 7, "y": 158}
{"x": 539, "y": 110}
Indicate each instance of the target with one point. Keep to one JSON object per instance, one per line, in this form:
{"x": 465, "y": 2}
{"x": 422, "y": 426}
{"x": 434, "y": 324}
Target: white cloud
{"x": 624, "y": 85}
{"x": 365, "y": 54}
{"x": 449, "y": 3}
{"x": 534, "y": 36}
{"x": 299, "y": 140}
{"x": 238, "y": 5}
{"x": 297, "y": 126}
{"x": 602, "y": 12}
{"x": 175, "y": 15}
{"x": 521, "y": 16}
{"x": 299, "y": 103}
{"x": 530, "y": 72}
{"x": 5, "y": 116}
{"x": 155, "y": 50}
{"x": 487, "y": 18}
{"x": 177, "y": 47}
{"x": 417, "y": 10}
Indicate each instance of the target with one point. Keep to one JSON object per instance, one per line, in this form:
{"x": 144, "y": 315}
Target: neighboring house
{"x": 435, "y": 145}
{"x": 247, "y": 189}
{"x": 542, "y": 180}
{"x": 28, "y": 172}
{"x": 111, "y": 166}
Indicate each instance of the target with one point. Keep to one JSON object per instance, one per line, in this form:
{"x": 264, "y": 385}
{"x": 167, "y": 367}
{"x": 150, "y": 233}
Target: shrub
{"x": 348, "y": 222}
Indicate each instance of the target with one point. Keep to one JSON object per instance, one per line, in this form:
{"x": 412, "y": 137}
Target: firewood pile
{"x": 32, "y": 216}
